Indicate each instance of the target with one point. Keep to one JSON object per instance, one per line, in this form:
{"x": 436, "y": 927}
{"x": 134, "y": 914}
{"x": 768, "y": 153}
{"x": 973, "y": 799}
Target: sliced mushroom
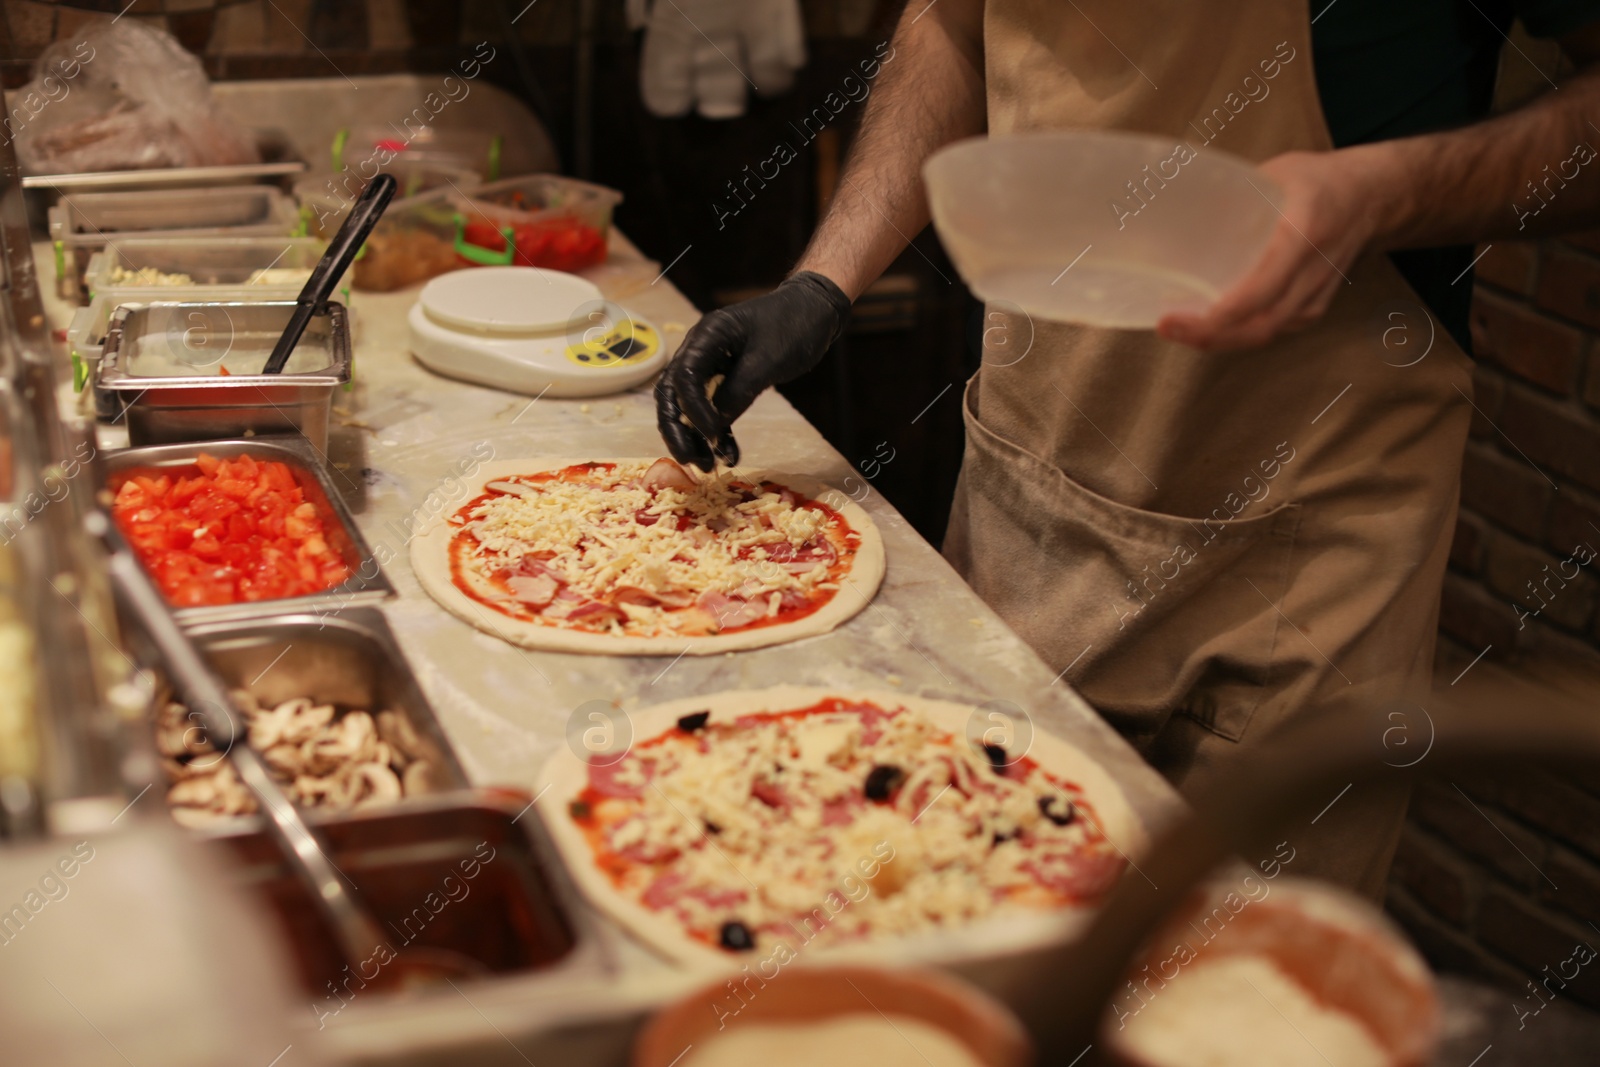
{"x": 419, "y": 779}
{"x": 396, "y": 729}
{"x": 379, "y": 785}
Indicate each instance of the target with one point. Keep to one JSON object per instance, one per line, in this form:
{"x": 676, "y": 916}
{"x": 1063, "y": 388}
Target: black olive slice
{"x": 736, "y": 935}
{"x": 692, "y": 722}
{"x": 712, "y": 828}
{"x": 883, "y": 780}
{"x": 997, "y": 757}
{"x": 1058, "y": 810}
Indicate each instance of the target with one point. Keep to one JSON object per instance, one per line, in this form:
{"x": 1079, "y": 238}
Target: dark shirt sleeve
{"x": 1556, "y": 18}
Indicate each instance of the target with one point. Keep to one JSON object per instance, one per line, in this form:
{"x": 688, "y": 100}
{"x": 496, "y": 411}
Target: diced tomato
{"x": 560, "y": 243}
{"x": 240, "y": 530}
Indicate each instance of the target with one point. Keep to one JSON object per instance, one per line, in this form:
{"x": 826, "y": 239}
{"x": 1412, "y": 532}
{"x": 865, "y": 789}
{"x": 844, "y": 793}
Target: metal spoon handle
{"x": 205, "y": 695}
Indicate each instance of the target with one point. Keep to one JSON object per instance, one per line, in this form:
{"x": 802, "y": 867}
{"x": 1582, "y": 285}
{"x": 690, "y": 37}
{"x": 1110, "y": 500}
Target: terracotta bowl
{"x": 1336, "y": 946}
{"x": 799, "y": 994}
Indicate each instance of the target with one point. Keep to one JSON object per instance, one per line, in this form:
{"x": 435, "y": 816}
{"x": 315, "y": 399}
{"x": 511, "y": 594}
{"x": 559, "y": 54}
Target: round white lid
{"x": 507, "y": 299}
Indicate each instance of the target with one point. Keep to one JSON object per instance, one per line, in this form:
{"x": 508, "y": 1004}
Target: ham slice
{"x": 515, "y": 488}
{"x": 665, "y": 474}
{"x": 534, "y": 590}
{"x": 596, "y": 615}
{"x": 800, "y": 560}
{"x": 730, "y": 612}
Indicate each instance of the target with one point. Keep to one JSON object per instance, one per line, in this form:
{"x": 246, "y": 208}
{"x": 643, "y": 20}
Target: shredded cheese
{"x": 606, "y": 531}
{"x": 768, "y": 821}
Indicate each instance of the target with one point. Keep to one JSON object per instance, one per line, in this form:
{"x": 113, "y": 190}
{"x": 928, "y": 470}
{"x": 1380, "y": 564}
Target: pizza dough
{"x": 565, "y": 779}
{"x": 431, "y": 560}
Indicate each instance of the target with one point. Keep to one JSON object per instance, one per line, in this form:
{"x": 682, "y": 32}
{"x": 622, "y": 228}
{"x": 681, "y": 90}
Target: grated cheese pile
{"x": 594, "y": 532}
{"x": 1245, "y": 1011}
{"x": 769, "y": 821}
{"x": 147, "y": 276}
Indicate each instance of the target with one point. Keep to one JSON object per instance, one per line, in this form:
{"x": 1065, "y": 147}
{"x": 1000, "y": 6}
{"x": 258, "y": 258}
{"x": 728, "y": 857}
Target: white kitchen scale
{"x": 531, "y": 330}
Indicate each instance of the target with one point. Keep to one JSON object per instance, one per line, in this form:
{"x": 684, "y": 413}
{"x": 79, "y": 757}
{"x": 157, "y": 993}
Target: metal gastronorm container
{"x": 350, "y": 660}
{"x": 162, "y": 409}
{"x": 367, "y": 583}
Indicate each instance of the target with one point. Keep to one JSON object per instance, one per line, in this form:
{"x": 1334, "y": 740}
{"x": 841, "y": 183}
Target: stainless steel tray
{"x": 367, "y": 583}
{"x": 350, "y": 660}
{"x": 163, "y": 409}
{"x": 466, "y": 872}
{"x": 164, "y": 178}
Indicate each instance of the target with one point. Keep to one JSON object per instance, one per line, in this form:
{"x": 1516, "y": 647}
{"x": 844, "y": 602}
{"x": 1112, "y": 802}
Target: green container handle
{"x": 485, "y": 257}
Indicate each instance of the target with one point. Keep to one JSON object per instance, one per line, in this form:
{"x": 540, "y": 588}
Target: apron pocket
{"x": 1154, "y": 613}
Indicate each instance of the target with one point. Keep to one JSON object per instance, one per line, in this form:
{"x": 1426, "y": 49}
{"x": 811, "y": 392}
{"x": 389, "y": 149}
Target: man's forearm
{"x": 1530, "y": 172}
{"x": 929, "y": 94}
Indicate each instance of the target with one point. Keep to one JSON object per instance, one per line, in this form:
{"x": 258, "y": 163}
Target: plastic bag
{"x": 121, "y": 96}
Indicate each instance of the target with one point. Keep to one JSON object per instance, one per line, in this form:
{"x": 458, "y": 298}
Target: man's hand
{"x": 1334, "y": 205}
{"x": 733, "y": 354}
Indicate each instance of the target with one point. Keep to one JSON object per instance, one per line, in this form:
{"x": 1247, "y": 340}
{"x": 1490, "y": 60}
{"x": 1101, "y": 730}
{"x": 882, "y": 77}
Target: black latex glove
{"x": 741, "y": 351}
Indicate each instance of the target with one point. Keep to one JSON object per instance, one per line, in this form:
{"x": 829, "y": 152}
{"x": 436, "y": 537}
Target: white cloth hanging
{"x": 702, "y": 54}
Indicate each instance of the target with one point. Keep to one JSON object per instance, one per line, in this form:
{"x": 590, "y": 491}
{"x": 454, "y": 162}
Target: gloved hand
{"x": 734, "y": 353}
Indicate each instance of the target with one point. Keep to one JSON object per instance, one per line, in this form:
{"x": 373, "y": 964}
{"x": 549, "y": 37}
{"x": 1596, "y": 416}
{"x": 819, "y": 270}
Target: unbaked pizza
{"x": 643, "y": 557}
{"x": 764, "y": 823}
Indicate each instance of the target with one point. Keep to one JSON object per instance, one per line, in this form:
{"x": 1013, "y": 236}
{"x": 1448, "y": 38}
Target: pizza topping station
{"x": 648, "y": 550}
{"x": 834, "y": 822}
{"x": 239, "y": 530}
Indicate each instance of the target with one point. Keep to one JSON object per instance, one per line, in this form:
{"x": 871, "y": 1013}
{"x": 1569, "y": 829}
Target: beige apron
{"x": 1206, "y": 544}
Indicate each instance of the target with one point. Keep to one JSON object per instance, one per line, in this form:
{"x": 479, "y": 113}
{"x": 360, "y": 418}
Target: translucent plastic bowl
{"x": 537, "y": 220}
{"x": 1104, "y": 229}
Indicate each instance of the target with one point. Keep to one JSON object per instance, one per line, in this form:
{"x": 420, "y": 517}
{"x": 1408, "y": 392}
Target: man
{"x": 1246, "y": 512}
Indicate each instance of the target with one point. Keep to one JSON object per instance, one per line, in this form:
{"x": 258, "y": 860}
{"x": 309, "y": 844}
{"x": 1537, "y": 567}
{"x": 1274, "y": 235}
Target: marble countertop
{"x": 401, "y": 431}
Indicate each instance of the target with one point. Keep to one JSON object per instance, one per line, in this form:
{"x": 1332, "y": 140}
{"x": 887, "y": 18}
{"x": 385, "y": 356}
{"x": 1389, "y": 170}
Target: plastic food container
{"x": 1106, "y": 229}
{"x": 414, "y": 241}
{"x": 538, "y": 220}
{"x": 367, "y": 583}
{"x": 474, "y": 150}
{"x": 86, "y": 338}
{"x": 162, "y": 370}
{"x": 82, "y": 224}
{"x": 325, "y": 199}
{"x": 243, "y": 268}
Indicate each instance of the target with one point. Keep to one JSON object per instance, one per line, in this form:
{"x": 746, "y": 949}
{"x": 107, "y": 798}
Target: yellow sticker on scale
{"x": 628, "y": 341}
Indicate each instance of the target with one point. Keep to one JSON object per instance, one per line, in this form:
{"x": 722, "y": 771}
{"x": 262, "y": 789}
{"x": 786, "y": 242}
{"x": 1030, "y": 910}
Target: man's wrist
{"x": 1387, "y": 175}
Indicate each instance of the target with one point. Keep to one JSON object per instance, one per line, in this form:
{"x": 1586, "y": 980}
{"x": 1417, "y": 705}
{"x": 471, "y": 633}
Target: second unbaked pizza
{"x": 641, "y": 557}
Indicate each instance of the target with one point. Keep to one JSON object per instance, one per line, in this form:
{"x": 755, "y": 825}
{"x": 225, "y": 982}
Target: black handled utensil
{"x": 331, "y": 267}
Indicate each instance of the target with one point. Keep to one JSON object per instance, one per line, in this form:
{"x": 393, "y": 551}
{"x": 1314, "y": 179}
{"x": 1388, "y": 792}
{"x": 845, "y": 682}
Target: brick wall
{"x": 1530, "y": 487}
{"x": 1499, "y": 874}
